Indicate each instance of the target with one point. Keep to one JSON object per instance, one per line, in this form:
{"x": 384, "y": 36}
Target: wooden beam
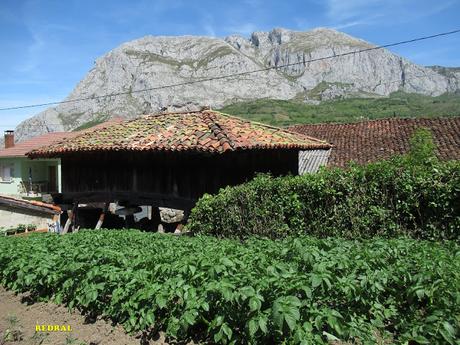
{"x": 75, "y": 217}
{"x": 155, "y": 199}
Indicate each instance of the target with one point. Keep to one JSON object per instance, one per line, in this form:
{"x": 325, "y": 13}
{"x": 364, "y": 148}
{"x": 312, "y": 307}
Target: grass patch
{"x": 399, "y": 104}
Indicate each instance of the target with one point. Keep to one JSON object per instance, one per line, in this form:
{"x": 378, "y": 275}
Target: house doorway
{"x": 52, "y": 178}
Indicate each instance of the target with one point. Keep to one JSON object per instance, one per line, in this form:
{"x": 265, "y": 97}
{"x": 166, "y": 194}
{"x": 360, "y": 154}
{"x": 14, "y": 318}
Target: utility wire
{"x": 59, "y": 124}
{"x": 235, "y": 74}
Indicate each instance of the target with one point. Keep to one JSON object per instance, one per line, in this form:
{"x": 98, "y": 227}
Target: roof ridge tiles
{"x": 161, "y": 113}
{"x": 285, "y": 130}
{"x": 219, "y": 132}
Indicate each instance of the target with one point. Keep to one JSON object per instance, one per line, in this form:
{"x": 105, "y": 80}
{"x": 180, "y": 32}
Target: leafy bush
{"x": 412, "y": 195}
{"x": 289, "y": 291}
{"x": 31, "y": 227}
{"x": 21, "y": 228}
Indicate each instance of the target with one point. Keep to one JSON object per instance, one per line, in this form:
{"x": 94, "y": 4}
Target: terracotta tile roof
{"x": 20, "y": 149}
{"x": 205, "y": 130}
{"x": 369, "y": 141}
{"x": 8, "y": 200}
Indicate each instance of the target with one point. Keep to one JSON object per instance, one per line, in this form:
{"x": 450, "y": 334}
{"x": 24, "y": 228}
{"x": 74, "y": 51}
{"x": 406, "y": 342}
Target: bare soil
{"x": 18, "y": 320}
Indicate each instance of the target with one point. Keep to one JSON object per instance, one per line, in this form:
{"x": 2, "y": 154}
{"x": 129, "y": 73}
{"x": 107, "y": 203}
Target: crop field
{"x": 304, "y": 290}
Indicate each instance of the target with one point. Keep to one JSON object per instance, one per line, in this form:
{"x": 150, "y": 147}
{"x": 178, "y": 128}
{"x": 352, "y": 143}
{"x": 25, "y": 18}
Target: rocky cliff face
{"x": 151, "y": 62}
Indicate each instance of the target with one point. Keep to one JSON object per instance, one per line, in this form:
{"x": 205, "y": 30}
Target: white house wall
{"x": 11, "y": 217}
{"x": 21, "y": 173}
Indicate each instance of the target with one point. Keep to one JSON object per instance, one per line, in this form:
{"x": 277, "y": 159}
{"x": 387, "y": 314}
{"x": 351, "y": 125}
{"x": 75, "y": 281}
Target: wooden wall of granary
{"x": 176, "y": 174}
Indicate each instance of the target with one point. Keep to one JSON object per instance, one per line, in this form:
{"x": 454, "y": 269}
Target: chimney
{"x": 9, "y": 139}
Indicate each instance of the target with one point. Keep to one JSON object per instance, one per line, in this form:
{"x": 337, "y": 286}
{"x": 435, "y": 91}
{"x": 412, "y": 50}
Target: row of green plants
{"x": 18, "y": 229}
{"x": 291, "y": 291}
{"x": 413, "y": 195}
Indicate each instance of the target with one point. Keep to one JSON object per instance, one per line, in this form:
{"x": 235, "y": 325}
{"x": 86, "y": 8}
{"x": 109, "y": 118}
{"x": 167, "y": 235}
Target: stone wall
{"x": 11, "y": 217}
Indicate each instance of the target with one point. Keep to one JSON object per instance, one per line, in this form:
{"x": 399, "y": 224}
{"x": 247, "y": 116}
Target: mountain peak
{"x": 301, "y": 72}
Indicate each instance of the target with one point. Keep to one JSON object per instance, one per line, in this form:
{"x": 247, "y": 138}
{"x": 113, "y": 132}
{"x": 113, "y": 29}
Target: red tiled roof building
{"x": 373, "y": 140}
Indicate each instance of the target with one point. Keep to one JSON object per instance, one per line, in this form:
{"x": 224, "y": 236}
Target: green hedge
{"x": 411, "y": 196}
{"x": 290, "y": 291}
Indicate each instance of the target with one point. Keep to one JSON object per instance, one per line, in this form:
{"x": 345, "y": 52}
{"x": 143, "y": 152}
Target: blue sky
{"x": 48, "y": 46}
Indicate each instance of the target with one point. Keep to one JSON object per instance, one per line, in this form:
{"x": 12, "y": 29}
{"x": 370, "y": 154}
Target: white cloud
{"x": 358, "y": 22}
{"x": 349, "y": 24}
{"x": 359, "y": 12}
{"x": 32, "y": 55}
{"x": 340, "y": 10}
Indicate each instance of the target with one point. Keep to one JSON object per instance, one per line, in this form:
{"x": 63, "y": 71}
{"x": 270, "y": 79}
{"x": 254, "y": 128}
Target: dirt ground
{"x": 18, "y": 322}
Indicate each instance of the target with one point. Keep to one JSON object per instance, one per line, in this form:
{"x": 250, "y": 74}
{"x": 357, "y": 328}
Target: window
{"x": 6, "y": 172}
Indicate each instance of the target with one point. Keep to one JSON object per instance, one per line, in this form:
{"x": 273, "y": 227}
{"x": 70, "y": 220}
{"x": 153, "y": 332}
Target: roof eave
{"x": 14, "y": 156}
{"x": 59, "y": 154}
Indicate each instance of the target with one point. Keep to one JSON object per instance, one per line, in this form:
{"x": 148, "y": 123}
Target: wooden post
{"x": 56, "y": 223}
{"x": 75, "y": 228}
{"x": 101, "y": 217}
{"x": 129, "y": 221}
{"x": 68, "y": 222}
{"x": 187, "y": 212}
{"x": 155, "y": 218}
{"x": 71, "y": 219}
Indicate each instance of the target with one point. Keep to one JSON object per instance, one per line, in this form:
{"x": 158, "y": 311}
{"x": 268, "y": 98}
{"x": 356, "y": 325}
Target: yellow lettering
{"x": 53, "y": 328}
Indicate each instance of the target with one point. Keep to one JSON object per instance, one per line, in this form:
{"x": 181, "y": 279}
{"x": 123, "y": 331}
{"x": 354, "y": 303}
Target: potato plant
{"x": 291, "y": 291}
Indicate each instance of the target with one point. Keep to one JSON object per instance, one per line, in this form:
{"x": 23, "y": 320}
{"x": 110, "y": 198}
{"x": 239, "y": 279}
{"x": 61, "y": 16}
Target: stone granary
{"x": 170, "y": 159}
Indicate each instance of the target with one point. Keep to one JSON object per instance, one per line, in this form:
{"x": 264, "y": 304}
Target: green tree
{"x": 422, "y": 147}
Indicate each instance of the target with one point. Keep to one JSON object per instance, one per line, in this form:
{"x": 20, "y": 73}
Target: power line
{"x": 60, "y": 124}
{"x": 234, "y": 74}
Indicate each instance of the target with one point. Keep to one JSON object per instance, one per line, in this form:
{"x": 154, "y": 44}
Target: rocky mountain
{"x": 152, "y": 62}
